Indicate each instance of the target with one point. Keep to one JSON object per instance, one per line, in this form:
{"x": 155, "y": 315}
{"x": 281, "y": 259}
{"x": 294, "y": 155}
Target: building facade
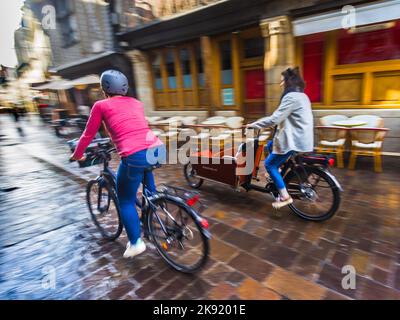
{"x": 79, "y": 41}
{"x": 33, "y": 51}
{"x": 82, "y": 28}
{"x": 226, "y": 58}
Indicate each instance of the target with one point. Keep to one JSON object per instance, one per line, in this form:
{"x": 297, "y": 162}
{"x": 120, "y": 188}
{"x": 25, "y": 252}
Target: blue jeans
{"x": 130, "y": 175}
{"x": 273, "y": 162}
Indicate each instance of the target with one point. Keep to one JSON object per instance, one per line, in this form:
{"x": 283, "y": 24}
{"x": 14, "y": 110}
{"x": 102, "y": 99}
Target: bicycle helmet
{"x": 114, "y": 82}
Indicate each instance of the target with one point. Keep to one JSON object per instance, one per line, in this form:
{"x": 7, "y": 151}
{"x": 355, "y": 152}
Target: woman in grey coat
{"x": 294, "y": 130}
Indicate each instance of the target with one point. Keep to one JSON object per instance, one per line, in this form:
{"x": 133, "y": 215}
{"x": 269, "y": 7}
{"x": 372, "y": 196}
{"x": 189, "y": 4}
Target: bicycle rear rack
{"x": 192, "y": 198}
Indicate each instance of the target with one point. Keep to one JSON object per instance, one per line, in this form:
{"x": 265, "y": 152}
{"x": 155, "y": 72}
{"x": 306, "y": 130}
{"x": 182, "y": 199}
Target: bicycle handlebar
{"x": 100, "y": 149}
{"x": 257, "y": 132}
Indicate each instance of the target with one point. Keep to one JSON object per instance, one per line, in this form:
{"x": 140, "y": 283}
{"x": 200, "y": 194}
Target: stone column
{"x": 279, "y": 55}
{"x": 208, "y": 66}
{"x": 144, "y": 87}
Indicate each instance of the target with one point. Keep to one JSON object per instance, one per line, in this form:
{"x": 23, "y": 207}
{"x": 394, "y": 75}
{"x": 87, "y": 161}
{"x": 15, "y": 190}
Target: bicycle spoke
{"x": 176, "y": 234}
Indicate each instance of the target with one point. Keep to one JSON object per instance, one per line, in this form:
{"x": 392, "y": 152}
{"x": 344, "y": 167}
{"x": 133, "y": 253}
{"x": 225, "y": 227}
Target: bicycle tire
{"x": 111, "y": 197}
{"x": 335, "y": 192}
{"x": 189, "y": 178}
{"x": 162, "y": 251}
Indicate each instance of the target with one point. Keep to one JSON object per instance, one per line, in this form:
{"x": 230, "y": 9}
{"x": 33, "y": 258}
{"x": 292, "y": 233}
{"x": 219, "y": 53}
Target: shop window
{"x": 67, "y": 21}
{"x": 167, "y": 64}
{"x": 200, "y": 67}
{"x": 170, "y": 64}
{"x": 226, "y": 62}
{"x": 253, "y": 47}
{"x": 156, "y": 66}
{"x": 359, "y": 46}
{"x": 313, "y": 49}
{"x": 184, "y": 57}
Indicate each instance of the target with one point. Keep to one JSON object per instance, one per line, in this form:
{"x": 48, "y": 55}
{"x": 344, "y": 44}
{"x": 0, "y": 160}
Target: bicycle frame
{"x": 110, "y": 175}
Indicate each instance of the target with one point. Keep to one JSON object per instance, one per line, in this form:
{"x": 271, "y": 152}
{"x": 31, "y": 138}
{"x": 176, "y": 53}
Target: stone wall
{"x": 94, "y": 32}
{"x": 144, "y": 88}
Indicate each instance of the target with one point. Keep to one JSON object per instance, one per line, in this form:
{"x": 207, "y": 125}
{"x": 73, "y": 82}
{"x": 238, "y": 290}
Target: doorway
{"x": 254, "y": 92}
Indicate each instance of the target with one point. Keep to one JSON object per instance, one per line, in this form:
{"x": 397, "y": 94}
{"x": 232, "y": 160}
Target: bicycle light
{"x": 331, "y": 162}
{"x": 192, "y": 201}
{"x": 204, "y": 223}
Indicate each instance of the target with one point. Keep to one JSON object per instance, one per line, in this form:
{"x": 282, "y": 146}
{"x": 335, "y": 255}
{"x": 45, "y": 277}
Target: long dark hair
{"x": 293, "y": 80}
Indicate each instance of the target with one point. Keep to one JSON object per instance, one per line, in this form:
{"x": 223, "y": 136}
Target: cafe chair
{"x": 220, "y": 142}
{"x": 368, "y": 141}
{"x": 200, "y": 141}
{"x": 332, "y": 139}
{"x": 214, "y": 119}
{"x": 157, "y": 132}
{"x": 235, "y": 129}
{"x": 152, "y": 120}
{"x": 169, "y": 137}
{"x": 186, "y": 121}
{"x": 329, "y": 120}
{"x": 168, "y": 124}
{"x": 186, "y": 130}
{"x": 370, "y": 121}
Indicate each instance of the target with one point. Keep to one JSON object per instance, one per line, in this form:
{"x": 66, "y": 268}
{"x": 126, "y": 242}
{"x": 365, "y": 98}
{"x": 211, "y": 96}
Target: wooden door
{"x": 254, "y": 92}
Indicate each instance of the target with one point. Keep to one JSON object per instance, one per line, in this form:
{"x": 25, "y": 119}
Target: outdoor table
{"x": 214, "y": 122}
{"x": 349, "y": 123}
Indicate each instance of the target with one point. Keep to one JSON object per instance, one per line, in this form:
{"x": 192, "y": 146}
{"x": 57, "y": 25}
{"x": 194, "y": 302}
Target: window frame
{"x": 180, "y": 91}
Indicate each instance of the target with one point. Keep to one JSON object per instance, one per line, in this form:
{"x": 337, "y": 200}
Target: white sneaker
{"x": 134, "y": 249}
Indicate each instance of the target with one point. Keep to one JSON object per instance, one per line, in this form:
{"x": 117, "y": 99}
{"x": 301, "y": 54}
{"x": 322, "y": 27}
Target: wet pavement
{"x": 49, "y": 248}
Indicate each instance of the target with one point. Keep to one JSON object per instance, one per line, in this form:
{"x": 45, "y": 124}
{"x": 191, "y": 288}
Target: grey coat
{"x": 295, "y": 123}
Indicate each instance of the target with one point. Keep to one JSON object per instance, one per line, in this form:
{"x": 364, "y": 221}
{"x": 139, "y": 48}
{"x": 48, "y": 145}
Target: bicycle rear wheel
{"x": 103, "y": 206}
{"x": 178, "y": 235}
{"x": 315, "y": 198}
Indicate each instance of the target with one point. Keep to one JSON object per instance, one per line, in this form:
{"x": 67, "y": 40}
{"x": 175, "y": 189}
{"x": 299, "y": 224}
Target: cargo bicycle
{"x": 315, "y": 190}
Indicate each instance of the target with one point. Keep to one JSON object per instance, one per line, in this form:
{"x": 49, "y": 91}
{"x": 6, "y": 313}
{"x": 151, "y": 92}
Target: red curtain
{"x": 369, "y": 46}
{"x": 313, "y": 50}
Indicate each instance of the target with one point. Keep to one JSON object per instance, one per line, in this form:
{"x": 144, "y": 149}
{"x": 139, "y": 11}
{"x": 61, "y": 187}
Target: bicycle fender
{"x": 196, "y": 215}
{"x": 330, "y": 175}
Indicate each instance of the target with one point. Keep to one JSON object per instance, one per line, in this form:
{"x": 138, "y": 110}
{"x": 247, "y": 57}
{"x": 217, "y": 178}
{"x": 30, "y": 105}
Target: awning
{"x": 364, "y": 14}
{"x": 89, "y": 79}
{"x": 86, "y": 71}
{"x": 55, "y": 85}
{"x": 68, "y": 84}
{"x": 85, "y": 61}
{"x": 223, "y": 16}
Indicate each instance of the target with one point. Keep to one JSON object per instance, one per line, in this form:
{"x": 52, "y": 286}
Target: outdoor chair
{"x": 152, "y": 120}
{"x": 332, "y": 139}
{"x": 367, "y": 140}
{"x": 370, "y": 121}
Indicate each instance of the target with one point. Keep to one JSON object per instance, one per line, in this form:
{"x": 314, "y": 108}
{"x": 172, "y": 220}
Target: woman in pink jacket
{"x": 136, "y": 144}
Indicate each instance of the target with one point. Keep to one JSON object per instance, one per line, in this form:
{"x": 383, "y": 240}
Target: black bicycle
{"x": 168, "y": 217}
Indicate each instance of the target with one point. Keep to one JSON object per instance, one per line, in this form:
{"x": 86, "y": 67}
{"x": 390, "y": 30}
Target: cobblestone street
{"x": 46, "y": 234}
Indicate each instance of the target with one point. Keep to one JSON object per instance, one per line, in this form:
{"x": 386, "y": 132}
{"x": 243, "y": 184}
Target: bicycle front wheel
{"x": 177, "y": 235}
{"x": 103, "y": 206}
